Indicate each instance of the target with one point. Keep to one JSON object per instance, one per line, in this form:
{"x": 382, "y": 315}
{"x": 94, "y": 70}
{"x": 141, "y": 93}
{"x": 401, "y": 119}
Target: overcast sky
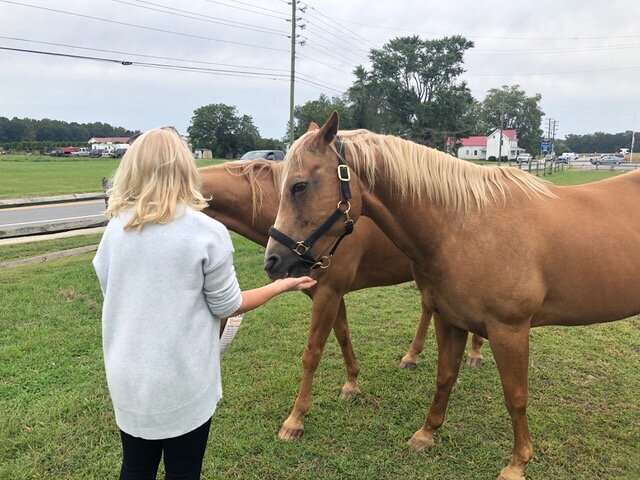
{"x": 582, "y": 56}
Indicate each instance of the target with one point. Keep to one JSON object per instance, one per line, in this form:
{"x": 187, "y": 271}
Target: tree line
{"x": 413, "y": 89}
{"x": 27, "y": 133}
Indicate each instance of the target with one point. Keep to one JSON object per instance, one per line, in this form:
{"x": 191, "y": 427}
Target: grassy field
{"x": 56, "y": 419}
{"x": 27, "y": 175}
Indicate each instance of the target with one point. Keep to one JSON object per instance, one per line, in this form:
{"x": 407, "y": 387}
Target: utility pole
{"x": 293, "y": 71}
{"x": 501, "y": 126}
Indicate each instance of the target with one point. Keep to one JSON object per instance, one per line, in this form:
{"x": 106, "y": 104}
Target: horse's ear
{"x": 313, "y": 126}
{"x": 330, "y": 129}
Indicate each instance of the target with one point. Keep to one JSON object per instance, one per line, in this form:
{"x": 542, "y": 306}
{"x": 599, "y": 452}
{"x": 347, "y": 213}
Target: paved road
{"x": 21, "y": 217}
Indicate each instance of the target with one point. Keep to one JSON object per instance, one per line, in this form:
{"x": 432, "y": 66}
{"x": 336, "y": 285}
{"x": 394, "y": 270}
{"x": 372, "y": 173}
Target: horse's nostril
{"x": 271, "y": 262}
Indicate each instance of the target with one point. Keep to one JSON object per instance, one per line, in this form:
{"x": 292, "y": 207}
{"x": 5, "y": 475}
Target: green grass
{"x": 56, "y": 419}
{"x": 573, "y": 176}
{"x": 27, "y": 175}
{"x": 32, "y": 249}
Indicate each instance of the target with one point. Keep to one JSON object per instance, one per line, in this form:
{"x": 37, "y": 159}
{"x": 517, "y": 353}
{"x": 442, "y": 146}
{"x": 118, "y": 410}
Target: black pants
{"x": 182, "y": 455}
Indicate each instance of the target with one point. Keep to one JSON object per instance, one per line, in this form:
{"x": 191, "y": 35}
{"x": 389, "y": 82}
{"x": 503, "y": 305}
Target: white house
{"x": 482, "y": 148}
{"x": 109, "y": 143}
{"x": 473, "y": 148}
{"x": 509, "y": 148}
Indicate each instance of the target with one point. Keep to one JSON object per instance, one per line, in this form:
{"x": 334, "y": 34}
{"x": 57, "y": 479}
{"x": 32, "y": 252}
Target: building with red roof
{"x": 482, "y": 148}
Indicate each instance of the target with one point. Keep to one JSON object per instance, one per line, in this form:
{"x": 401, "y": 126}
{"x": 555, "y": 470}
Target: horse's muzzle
{"x": 278, "y": 266}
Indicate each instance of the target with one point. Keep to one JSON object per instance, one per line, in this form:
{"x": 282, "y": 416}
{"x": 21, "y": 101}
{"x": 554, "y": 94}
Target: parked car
{"x": 119, "y": 152}
{"x": 80, "y": 152}
{"x": 567, "y": 157}
{"x": 276, "y": 155}
{"x": 95, "y": 153}
{"x": 524, "y": 158}
{"x": 607, "y": 160}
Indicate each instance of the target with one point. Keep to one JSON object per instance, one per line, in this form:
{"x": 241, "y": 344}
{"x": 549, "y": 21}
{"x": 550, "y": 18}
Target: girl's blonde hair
{"x": 156, "y": 174}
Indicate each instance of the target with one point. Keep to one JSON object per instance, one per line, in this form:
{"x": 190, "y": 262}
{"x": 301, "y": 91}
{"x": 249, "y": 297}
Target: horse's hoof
{"x": 349, "y": 394}
{"x": 421, "y": 441}
{"x": 475, "y": 361}
{"x": 408, "y": 364}
{"x": 288, "y": 434}
{"x": 508, "y": 473}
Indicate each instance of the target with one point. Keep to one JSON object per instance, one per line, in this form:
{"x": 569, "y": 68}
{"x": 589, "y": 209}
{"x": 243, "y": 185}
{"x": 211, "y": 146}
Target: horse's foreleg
{"x": 341, "y": 330}
{"x": 410, "y": 359}
{"x": 451, "y": 342}
{"x": 323, "y": 316}
{"x": 511, "y": 351}
{"x": 475, "y": 357}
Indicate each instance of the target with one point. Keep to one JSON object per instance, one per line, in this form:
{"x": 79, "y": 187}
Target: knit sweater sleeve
{"x": 221, "y": 288}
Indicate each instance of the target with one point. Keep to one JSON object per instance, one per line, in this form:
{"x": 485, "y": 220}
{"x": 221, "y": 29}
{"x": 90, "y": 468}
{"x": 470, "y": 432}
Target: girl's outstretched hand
{"x": 295, "y": 283}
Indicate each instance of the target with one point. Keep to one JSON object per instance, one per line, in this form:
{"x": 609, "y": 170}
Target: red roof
{"x": 478, "y": 141}
{"x": 110, "y": 139}
{"x": 510, "y": 134}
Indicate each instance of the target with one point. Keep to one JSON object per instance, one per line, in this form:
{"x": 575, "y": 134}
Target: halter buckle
{"x": 322, "y": 263}
{"x": 301, "y": 248}
{"x": 344, "y": 175}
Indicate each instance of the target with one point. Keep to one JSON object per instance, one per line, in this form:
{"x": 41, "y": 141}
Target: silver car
{"x": 607, "y": 160}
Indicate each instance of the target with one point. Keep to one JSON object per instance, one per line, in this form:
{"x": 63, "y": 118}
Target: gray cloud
{"x": 595, "y": 44}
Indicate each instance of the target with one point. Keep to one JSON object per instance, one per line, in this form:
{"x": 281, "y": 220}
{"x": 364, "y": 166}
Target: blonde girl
{"x": 167, "y": 276}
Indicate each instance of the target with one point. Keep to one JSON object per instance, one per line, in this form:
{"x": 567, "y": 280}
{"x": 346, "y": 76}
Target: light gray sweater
{"x": 165, "y": 289}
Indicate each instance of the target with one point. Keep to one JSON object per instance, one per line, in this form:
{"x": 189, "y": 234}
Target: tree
{"x": 598, "y": 142}
{"x": 415, "y": 89}
{"x": 318, "y": 111}
{"x": 514, "y": 110}
{"x": 219, "y": 128}
{"x": 247, "y": 134}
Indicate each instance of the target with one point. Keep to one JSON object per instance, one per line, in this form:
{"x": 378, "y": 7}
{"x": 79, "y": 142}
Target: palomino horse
{"x": 496, "y": 250}
{"x": 245, "y": 197}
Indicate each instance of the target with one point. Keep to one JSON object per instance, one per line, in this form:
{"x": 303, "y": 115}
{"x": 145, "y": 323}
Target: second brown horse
{"x": 245, "y": 197}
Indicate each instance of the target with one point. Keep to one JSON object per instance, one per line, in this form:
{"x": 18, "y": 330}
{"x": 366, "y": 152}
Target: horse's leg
{"x": 475, "y": 357}
{"x": 451, "y": 342}
{"x": 341, "y": 330}
{"x": 510, "y": 349}
{"x": 323, "y": 316}
{"x": 410, "y": 359}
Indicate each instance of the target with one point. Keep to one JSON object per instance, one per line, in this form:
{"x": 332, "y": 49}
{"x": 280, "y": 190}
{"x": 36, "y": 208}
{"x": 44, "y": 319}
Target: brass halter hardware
{"x": 301, "y": 248}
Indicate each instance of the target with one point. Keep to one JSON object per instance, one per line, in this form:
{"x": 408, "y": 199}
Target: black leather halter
{"x": 302, "y": 248}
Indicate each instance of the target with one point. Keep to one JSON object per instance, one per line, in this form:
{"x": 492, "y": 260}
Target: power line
{"x": 138, "y": 63}
{"x": 328, "y": 65}
{"x": 354, "y": 35}
{"x": 497, "y": 37}
{"x": 342, "y": 60}
{"x": 549, "y": 51}
{"x": 551, "y": 73}
{"x": 330, "y": 53}
{"x": 206, "y": 18}
{"x": 341, "y": 47}
{"x": 201, "y": 37}
{"x": 344, "y": 44}
{"x": 248, "y": 10}
{"x": 183, "y": 68}
{"x": 158, "y": 57}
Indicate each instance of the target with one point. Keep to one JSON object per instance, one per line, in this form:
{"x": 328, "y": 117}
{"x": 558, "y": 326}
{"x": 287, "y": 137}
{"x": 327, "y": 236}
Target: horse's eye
{"x": 298, "y": 187}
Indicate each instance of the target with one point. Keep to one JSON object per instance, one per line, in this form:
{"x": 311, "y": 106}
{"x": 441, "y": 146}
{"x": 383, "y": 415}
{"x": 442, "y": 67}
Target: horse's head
{"x": 319, "y": 202}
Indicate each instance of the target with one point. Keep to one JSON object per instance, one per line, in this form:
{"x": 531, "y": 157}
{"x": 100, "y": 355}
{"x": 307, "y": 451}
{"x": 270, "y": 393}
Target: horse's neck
{"x": 395, "y": 218}
{"x": 231, "y": 203}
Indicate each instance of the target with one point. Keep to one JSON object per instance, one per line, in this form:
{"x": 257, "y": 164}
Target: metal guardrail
{"x": 30, "y": 201}
{"x": 50, "y": 227}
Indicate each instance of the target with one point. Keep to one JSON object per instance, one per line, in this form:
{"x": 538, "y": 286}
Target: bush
{"x": 492, "y": 158}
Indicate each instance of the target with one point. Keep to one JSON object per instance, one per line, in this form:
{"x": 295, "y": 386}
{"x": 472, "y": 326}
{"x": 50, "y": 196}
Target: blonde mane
{"x": 416, "y": 171}
{"x": 254, "y": 172}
